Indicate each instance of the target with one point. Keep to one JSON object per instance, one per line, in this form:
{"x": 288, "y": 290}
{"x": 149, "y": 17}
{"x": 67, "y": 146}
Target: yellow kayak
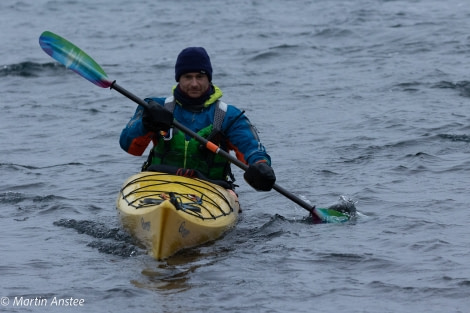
{"x": 168, "y": 213}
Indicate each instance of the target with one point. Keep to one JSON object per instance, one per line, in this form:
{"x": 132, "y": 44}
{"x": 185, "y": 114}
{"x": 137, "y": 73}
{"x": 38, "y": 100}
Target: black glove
{"x": 260, "y": 176}
{"x": 156, "y": 118}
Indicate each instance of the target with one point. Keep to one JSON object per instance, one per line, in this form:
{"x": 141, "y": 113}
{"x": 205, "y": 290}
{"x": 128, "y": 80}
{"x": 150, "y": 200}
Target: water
{"x": 366, "y": 98}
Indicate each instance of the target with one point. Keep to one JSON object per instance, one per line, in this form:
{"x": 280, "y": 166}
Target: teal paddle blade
{"x": 342, "y": 211}
{"x": 73, "y": 58}
{"x": 331, "y": 216}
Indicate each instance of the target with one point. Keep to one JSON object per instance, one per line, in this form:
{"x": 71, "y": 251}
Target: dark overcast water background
{"x": 368, "y": 99}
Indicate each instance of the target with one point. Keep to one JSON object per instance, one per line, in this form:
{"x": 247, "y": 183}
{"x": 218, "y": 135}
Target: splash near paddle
{"x": 81, "y": 63}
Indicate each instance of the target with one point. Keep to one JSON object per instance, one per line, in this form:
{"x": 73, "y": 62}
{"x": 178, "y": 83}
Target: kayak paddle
{"x": 78, "y": 61}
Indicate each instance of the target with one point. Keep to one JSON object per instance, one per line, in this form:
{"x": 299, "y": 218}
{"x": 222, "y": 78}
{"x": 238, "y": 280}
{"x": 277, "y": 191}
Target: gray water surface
{"x": 365, "y": 99}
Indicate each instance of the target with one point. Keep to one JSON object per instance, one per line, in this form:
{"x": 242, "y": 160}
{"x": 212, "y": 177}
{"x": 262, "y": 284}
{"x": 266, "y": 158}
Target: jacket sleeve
{"x": 134, "y": 138}
{"x": 243, "y": 138}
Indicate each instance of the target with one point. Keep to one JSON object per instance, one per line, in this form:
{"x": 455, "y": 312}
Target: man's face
{"x": 194, "y": 84}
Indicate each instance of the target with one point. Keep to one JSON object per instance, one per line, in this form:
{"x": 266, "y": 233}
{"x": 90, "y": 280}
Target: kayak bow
{"x": 168, "y": 213}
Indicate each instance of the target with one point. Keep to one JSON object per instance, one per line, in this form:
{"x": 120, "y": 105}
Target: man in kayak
{"x": 195, "y": 103}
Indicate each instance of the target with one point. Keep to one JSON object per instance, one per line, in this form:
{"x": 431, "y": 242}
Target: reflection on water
{"x": 174, "y": 273}
{"x": 165, "y": 278}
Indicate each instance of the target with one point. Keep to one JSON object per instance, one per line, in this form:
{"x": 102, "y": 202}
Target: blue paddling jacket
{"x": 178, "y": 149}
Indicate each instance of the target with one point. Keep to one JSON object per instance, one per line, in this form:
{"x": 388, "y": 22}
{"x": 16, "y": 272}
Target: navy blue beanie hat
{"x": 193, "y": 59}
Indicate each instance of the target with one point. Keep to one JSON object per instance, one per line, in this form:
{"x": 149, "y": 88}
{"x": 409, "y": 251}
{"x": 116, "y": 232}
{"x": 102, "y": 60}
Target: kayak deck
{"x": 168, "y": 213}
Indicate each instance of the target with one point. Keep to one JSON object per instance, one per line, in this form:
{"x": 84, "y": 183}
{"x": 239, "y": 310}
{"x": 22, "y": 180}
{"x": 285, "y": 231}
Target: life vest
{"x": 176, "y": 150}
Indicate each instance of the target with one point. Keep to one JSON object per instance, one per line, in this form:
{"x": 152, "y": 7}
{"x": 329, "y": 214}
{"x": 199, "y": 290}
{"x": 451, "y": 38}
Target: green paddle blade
{"x": 73, "y": 58}
{"x": 340, "y": 212}
{"x": 331, "y": 216}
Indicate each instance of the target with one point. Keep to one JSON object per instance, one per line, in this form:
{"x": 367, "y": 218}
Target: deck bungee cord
{"x": 192, "y": 200}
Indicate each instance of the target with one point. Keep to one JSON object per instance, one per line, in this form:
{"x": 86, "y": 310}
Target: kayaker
{"x": 195, "y": 103}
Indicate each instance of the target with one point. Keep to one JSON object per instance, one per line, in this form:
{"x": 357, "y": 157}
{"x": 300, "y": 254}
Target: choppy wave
{"x": 455, "y": 137}
{"x": 11, "y": 197}
{"x": 31, "y": 69}
{"x": 463, "y": 87}
{"x": 14, "y": 166}
{"x": 113, "y": 240}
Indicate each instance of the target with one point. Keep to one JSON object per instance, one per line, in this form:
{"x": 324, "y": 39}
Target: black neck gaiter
{"x": 192, "y": 104}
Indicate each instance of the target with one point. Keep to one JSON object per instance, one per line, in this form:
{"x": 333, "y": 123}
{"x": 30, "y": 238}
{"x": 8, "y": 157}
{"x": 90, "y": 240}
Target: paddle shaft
{"x": 215, "y": 149}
